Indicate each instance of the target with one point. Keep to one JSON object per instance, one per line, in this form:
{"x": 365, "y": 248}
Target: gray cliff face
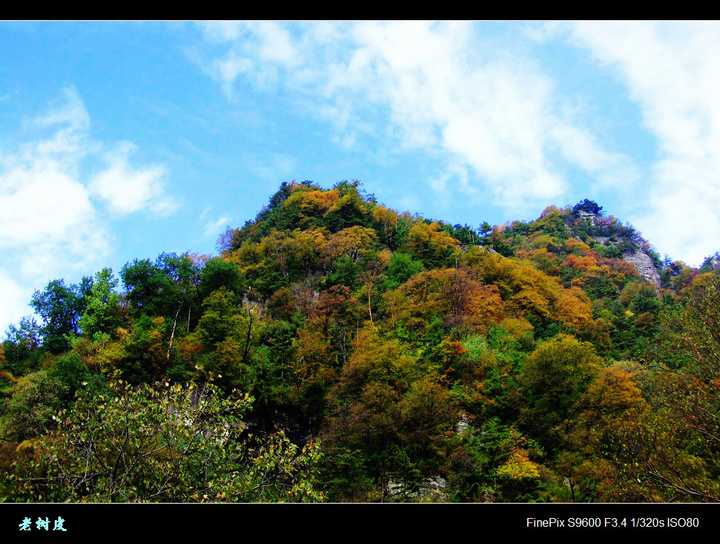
{"x": 644, "y": 265}
{"x": 712, "y": 263}
{"x": 642, "y": 261}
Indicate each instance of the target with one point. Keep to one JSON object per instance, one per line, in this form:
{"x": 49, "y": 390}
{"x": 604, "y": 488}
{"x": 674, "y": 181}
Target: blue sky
{"x": 123, "y": 140}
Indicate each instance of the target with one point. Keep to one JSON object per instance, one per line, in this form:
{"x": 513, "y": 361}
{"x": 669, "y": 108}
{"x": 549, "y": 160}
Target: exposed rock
{"x": 429, "y": 490}
{"x": 642, "y": 261}
{"x": 588, "y": 216}
{"x": 712, "y": 263}
{"x": 644, "y": 265}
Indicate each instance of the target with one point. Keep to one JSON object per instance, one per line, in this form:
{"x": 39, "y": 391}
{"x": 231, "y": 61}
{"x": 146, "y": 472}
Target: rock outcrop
{"x": 642, "y": 261}
{"x": 644, "y": 265}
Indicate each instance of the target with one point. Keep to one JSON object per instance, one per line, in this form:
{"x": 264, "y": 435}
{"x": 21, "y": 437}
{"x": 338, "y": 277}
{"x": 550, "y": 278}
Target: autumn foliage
{"x": 336, "y": 349}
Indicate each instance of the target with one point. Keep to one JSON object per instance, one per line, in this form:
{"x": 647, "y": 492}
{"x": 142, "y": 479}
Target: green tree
{"x": 71, "y": 372}
{"x": 102, "y": 313}
{"x": 432, "y": 245}
{"x": 693, "y": 328}
{"x": 430, "y": 412}
{"x": 60, "y": 308}
{"x": 553, "y": 379}
{"x": 163, "y": 444}
{"x": 402, "y": 267}
{"x": 362, "y": 444}
{"x": 219, "y": 272}
{"x": 169, "y": 288}
{"x": 493, "y": 462}
{"x": 144, "y": 355}
{"x": 225, "y": 335}
{"x": 587, "y": 206}
{"x": 677, "y": 441}
{"x": 145, "y": 286}
{"x": 34, "y": 402}
{"x": 20, "y": 348}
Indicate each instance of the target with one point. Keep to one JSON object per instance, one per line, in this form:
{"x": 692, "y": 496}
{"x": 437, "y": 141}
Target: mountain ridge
{"x": 374, "y": 355}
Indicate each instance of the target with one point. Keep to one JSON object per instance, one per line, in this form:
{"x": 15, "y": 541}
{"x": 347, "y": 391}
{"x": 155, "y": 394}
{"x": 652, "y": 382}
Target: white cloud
{"x": 128, "y": 190}
{"x": 44, "y": 204}
{"x": 15, "y": 301}
{"x": 213, "y": 227}
{"x": 490, "y": 114}
{"x": 221, "y": 31}
{"x": 51, "y": 225}
{"x": 258, "y": 49}
{"x": 503, "y": 127}
{"x": 69, "y": 109}
{"x": 672, "y": 73}
{"x": 275, "y": 43}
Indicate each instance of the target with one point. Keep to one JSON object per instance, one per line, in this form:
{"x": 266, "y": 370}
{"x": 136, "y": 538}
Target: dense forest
{"x": 336, "y": 350}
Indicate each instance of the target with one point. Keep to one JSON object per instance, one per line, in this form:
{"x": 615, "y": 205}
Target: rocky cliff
{"x": 644, "y": 265}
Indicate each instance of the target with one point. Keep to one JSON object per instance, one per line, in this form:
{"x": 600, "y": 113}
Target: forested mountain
{"x": 338, "y": 350}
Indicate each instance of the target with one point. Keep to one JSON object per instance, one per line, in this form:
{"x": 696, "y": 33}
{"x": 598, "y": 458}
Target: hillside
{"x": 338, "y": 350}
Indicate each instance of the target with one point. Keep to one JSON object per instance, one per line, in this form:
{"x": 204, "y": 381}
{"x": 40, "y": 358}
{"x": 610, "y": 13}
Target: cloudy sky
{"x": 123, "y": 140}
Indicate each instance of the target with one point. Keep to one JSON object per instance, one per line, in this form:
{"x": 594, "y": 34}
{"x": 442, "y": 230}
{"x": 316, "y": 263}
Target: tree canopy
{"x": 335, "y": 349}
